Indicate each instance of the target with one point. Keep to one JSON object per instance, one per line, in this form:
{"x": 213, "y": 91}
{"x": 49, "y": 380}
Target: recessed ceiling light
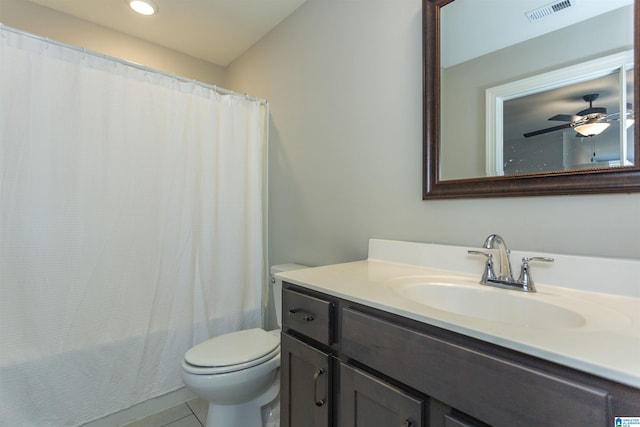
{"x": 144, "y": 7}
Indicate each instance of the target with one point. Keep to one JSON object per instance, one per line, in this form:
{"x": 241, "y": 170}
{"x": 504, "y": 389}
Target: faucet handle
{"x": 525, "y": 278}
{"x": 488, "y": 273}
{"x": 537, "y": 258}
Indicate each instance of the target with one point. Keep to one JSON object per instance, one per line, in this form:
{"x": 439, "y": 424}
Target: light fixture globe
{"x": 143, "y": 7}
{"x": 592, "y": 129}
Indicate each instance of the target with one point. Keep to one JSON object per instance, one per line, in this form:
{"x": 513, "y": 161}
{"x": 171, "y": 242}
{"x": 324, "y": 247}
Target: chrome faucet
{"x": 504, "y": 279}
{"x": 495, "y": 241}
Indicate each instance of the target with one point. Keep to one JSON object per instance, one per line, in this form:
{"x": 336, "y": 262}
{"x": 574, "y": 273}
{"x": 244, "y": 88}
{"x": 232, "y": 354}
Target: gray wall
{"x": 344, "y": 83}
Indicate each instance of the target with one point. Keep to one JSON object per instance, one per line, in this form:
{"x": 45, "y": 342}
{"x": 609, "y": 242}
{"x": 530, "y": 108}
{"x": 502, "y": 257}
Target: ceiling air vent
{"x": 550, "y": 9}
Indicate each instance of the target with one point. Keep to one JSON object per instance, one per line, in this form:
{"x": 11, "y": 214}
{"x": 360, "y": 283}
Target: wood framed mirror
{"x": 623, "y": 177}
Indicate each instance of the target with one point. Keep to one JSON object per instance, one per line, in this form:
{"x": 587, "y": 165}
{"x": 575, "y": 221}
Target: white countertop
{"x": 607, "y": 345}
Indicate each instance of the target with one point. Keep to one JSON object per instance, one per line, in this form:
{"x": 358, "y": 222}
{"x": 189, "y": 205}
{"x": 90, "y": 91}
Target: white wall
{"x": 343, "y": 78}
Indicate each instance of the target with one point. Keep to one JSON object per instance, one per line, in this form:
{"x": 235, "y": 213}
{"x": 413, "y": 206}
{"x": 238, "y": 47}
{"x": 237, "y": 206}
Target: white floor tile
{"x": 200, "y": 407}
{"x": 190, "y": 421}
{"x": 163, "y": 418}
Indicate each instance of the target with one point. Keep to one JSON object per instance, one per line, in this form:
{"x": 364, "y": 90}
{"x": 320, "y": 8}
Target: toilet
{"x": 238, "y": 373}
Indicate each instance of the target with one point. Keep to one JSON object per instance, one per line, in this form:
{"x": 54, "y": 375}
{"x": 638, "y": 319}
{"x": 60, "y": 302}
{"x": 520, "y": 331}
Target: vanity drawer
{"x": 495, "y": 390}
{"x": 307, "y": 315}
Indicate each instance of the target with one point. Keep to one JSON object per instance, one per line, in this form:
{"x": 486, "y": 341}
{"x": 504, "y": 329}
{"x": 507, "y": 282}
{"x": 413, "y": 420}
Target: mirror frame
{"x": 594, "y": 181}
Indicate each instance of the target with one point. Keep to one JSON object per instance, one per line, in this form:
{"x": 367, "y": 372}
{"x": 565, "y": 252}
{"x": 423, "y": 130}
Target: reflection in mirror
{"x": 472, "y": 47}
{"x": 596, "y": 133}
{"x": 479, "y": 52}
{"x": 576, "y": 141}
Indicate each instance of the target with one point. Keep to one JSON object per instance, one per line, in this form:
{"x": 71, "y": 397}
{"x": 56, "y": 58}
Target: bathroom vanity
{"x": 361, "y": 348}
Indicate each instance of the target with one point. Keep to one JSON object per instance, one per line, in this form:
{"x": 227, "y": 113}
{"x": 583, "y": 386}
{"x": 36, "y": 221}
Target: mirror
{"x": 480, "y": 99}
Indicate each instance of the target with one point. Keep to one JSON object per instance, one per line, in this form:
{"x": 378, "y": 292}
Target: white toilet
{"x": 238, "y": 373}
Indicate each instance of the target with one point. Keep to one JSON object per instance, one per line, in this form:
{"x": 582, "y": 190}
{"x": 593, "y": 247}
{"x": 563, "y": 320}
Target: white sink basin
{"x": 465, "y": 297}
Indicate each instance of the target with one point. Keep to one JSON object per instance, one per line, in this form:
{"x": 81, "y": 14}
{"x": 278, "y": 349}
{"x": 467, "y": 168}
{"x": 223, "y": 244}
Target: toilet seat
{"x": 217, "y": 370}
{"x": 232, "y": 352}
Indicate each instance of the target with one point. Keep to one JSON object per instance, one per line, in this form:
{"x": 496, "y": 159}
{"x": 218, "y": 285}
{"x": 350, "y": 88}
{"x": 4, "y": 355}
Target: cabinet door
{"x": 367, "y": 401}
{"x": 304, "y": 385}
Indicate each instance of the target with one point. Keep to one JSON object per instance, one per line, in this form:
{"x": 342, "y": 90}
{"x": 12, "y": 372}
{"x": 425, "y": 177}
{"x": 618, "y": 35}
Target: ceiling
{"x": 217, "y": 31}
{"x": 472, "y": 28}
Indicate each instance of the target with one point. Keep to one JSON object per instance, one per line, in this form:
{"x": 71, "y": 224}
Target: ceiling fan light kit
{"x": 592, "y": 129}
{"x": 588, "y": 122}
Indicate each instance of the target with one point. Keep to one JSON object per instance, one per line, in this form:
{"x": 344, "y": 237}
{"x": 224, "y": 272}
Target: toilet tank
{"x": 276, "y": 286}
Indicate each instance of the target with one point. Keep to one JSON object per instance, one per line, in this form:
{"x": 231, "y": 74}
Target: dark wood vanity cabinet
{"x": 306, "y": 371}
{"x": 305, "y": 384}
{"x": 348, "y": 365}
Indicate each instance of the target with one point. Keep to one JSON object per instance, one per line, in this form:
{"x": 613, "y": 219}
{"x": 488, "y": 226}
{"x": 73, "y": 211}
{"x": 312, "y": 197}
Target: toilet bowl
{"x": 238, "y": 373}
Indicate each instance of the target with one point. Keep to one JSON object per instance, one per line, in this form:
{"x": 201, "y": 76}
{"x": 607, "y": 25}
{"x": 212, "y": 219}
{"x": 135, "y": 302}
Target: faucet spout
{"x": 494, "y": 241}
{"x": 504, "y": 278}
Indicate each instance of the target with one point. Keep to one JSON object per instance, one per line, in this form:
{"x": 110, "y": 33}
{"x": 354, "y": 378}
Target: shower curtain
{"x": 131, "y": 228}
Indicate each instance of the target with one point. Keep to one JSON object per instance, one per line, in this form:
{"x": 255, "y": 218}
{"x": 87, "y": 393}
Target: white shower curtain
{"x": 131, "y": 227}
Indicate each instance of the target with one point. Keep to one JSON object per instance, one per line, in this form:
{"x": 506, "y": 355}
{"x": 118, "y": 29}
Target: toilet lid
{"x": 233, "y": 349}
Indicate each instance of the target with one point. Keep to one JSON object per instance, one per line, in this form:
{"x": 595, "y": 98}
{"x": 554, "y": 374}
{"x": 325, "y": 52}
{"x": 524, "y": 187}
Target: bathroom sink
{"x": 465, "y": 297}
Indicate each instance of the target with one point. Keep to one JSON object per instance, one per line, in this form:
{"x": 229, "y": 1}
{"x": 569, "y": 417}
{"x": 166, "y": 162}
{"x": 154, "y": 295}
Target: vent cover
{"x": 550, "y": 9}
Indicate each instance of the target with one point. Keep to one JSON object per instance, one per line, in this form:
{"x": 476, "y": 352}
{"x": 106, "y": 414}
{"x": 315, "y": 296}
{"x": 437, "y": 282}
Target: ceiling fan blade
{"x": 616, "y": 115}
{"x": 565, "y": 118}
{"x": 547, "y": 130}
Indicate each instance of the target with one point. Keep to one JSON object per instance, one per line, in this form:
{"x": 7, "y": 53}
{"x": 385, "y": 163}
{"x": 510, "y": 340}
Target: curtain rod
{"x": 132, "y": 64}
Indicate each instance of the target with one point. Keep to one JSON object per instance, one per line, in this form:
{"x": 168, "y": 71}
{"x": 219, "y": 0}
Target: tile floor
{"x": 190, "y": 414}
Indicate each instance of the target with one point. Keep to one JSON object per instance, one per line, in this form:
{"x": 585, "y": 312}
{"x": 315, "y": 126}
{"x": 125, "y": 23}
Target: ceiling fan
{"x": 588, "y": 122}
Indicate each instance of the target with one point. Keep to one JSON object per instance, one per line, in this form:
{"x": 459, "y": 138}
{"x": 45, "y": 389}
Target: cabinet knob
{"x": 406, "y": 423}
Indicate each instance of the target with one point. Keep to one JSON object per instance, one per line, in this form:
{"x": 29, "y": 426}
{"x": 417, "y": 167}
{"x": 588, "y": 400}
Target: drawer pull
{"x": 300, "y": 315}
{"x": 316, "y": 375}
